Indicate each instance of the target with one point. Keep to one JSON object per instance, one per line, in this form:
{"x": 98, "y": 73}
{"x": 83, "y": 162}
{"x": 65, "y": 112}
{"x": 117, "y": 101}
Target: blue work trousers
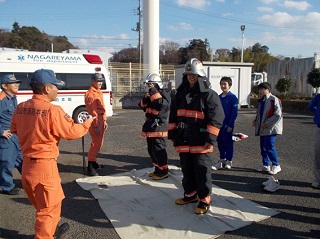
{"x": 225, "y": 144}
{"x": 268, "y": 150}
{"x": 10, "y": 158}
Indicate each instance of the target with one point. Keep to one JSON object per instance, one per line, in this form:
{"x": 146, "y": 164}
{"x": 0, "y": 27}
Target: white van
{"x": 74, "y": 69}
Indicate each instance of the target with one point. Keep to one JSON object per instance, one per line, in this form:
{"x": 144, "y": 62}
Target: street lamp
{"x": 243, "y": 27}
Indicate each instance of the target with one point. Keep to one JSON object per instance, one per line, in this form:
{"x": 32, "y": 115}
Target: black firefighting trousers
{"x": 157, "y": 149}
{"x": 196, "y": 169}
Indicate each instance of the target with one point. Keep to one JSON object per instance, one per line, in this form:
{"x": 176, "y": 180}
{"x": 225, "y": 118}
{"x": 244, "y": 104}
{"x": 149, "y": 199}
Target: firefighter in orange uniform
{"x": 95, "y": 107}
{"x": 196, "y": 116}
{"x": 40, "y": 125}
{"x": 156, "y": 104}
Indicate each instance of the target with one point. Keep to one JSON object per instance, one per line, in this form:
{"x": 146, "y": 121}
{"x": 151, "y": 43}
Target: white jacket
{"x": 272, "y": 116}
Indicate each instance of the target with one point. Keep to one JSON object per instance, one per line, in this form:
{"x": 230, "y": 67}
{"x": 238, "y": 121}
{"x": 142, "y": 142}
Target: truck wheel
{"x": 79, "y": 114}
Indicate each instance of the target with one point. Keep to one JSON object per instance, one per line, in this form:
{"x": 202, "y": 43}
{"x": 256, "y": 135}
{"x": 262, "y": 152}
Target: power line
{"x": 242, "y": 20}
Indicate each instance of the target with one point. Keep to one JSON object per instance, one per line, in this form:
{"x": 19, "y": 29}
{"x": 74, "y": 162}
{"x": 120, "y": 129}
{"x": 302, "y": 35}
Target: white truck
{"x": 258, "y": 77}
{"x": 240, "y": 74}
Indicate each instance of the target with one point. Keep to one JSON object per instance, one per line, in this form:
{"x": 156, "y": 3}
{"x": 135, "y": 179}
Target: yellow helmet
{"x": 194, "y": 67}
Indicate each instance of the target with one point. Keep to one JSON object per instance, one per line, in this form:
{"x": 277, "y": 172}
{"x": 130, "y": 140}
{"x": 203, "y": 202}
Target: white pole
{"x": 151, "y": 36}
{"x": 242, "y": 30}
{"x": 130, "y": 80}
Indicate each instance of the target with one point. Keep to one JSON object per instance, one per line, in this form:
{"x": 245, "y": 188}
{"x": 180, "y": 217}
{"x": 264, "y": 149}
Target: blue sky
{"x": 288, "y": 27}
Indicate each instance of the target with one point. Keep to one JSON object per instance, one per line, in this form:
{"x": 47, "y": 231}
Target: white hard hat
{"x": 154, "y": 79}
{"x": 194, "y": 67}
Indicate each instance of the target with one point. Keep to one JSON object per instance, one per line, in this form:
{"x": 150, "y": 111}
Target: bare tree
{"x": 170, "y": 52}
{"x": 222, "y": 54}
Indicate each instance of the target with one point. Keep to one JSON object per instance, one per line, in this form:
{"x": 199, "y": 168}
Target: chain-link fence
{"x": 127, "y": 78}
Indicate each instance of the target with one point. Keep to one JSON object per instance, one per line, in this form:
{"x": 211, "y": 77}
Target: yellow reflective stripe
{"x": 182, "y": 149}
{"x": 190, "y": 194}
{"x": 194, "y": 114}
{"x": 155, "y": 97}
{"x": 200, "y": 150}
{"x": 181, "y": 112}
{"x": 213, "y": 130}
{"x": 172, "y": 126}
{"x": 154, "y": 134}
{"x": 206, "y": 200}
{"x": 152, "y": 111}
{"x": 190, "y": 113}
{"x": 160, "y": 167}
{"x": 193, "y": 149}
{"x": 163, "y": 167}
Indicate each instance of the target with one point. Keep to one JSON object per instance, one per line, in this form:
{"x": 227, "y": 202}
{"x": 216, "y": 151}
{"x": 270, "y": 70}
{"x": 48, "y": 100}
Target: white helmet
{"x": 154, "y": 79}
{"x": 194, "y": 67}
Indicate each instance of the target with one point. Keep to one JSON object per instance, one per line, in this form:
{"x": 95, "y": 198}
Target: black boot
{"x": 61, "y": 230}
{"x": 95, "y": 165}
{"x": 91, "y": 171}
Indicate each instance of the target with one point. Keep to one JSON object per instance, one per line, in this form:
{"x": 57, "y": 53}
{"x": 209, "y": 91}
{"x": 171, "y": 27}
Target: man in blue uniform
{"x": 230, "y": 107}
{"x": 314, "y": 105}
{"x": 10, "y": 153}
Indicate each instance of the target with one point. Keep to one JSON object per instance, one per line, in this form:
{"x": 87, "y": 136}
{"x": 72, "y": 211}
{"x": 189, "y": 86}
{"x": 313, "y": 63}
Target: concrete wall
{"x": 289, "y": 106}
{"x": 126, "y": 101}
{"x": 297, "y": 70}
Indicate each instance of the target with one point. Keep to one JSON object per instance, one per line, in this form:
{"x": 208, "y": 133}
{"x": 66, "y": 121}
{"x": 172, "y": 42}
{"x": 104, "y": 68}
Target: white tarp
{"x": 141, "y": 208}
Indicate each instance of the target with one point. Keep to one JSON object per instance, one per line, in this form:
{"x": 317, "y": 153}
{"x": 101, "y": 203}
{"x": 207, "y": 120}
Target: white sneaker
{"x": 228, "y": 164}
{"x": 272, "y": 186}
{"x": 270, "y": 180}
{"x": 275, "y": 169}
{"x": 263, "y": 168}
{"x": 219, "y": 165}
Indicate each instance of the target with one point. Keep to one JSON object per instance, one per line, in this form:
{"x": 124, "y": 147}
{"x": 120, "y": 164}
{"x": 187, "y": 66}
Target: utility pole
{"x": 139, "y": 30}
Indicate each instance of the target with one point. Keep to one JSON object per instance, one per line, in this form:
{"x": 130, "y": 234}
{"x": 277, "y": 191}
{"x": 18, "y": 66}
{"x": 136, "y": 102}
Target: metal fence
{"x": 127, "y": 78}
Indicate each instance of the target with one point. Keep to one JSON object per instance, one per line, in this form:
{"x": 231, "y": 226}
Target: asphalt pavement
{"x": 124, "y": 149}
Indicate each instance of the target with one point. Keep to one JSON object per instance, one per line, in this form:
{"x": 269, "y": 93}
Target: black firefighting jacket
{"x": 196, "y": 116}
{"x": 156, "y": 106}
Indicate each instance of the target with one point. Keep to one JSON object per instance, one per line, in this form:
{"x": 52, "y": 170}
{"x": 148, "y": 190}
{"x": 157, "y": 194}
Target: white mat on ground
{"x": 142, "y": 208}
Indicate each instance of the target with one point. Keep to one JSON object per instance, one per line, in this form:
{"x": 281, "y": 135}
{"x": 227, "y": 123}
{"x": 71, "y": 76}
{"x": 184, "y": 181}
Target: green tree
{"x": 283, "y": 86}
{"x": 61, "y": 43}
{"x": 260, "y": 57}
{"x": 13, "y": 40}
{"x": 257, "y": 48}
{"x": 35, "y": 38}
{"x": 32, "y": 39}
{"x": 126, "y": 55}
{"x": 235, "y": 55}
{"x": 15, "y": 28}
{"x": 183, "y": 53}
{"x": 196, "y": 48}
{"x": 313, "y": 78}
{"x": 256, "y": 54}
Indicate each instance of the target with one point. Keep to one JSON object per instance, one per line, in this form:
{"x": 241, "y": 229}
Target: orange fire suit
{"x": 40, "y": 125}
{"x": 95, "y": 107}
